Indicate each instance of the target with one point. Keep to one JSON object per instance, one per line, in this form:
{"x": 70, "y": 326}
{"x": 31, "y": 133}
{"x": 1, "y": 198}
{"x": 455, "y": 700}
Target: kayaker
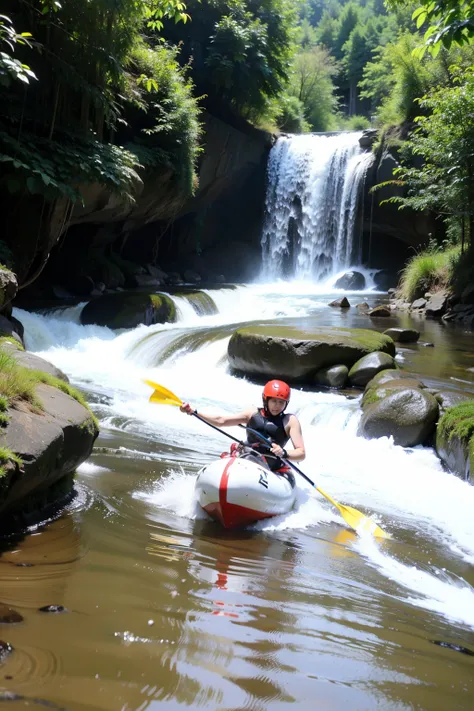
{"x": 271, "y": 421}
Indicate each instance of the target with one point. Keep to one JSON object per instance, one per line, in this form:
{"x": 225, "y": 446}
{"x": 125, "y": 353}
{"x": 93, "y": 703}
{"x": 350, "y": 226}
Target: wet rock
{"x": 80, "y": 285}
{"x": 8, "y": 286}
{"x": 191, "y": 277}
{"x": 59, "y": 292}
{"x": 386, "y": 376}
{"x": 351, "y": 281}
{"x": 392, "y": 293}
{"x": 419, "y": 304}
{"x": 380, "y": 312}
{"x": 8, "y": 328}
{"x": 455, "y": 440}
{"x": 403, "y": 335}
{"x": 450, "y": 398}
{"x": 378, "y": 392}
{"x": 129, "y": 309}
{"x": 146, "y": 280}
{"x": 333, "y": 377}
{"x": 364, "y": 306}
{"x": 408, "y": 415}
{"x": 368, "y": 138}
{"x": 467, "y": 296}
{"x": 427, "y": 344}
{"x": 29, "y": 360}
{"x": 340, "y": 303}
{"x": 383, "y": 280}
{"x": 5, "y": 650}
{"x": 9, "y": 616}
{"x": 437, "y": 305}
{"x": 295, "y": 354}
{"x": 364, "y": 369}
{"x": 52, "y": 608}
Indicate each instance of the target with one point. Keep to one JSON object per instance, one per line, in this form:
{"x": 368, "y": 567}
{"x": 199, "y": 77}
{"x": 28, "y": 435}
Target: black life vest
{"x": 270, "y": 426}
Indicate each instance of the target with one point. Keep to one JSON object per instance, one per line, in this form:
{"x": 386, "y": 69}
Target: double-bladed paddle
{"x": 355, "y": 519}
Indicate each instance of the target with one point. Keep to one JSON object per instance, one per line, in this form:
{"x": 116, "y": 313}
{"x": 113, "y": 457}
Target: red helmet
{"x": 277, "y": 388}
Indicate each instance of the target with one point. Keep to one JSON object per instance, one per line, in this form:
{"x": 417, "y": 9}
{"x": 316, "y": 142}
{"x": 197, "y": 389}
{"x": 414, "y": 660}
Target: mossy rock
{"x": 369, "y": 365}
{"x": 202, "y": 303}
{"x": 408, "y": 415}
{"x": 455, "y": 439}
{"x": 378, "y": 392}
{"x": 129, "y": 309}
{"x": 297, "y": 354}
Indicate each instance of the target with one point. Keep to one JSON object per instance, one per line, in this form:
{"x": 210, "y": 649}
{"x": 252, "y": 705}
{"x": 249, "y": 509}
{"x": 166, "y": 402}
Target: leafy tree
{"x": 239, "y": 51}
{"x": 311, "y": 82}
{"x": 443, "y": 180}
{"x": 448, "y": 22}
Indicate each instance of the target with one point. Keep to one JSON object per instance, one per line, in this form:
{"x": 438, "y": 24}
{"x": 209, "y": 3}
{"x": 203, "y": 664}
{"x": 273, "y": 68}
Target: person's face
{"x": 276, "y": 405}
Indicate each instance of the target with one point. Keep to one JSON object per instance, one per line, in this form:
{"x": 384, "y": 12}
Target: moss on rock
{"x": 129, "y": 309}
{"x": 296, "y": 353}
{"x": 455, "y": 439}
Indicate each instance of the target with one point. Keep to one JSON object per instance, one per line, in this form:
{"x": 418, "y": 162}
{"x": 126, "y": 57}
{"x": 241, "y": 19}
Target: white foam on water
{"x": 399, "y": 488}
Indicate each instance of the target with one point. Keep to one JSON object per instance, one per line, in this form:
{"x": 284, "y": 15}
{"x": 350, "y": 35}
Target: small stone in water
{"x": 52, "y": 608}
{"x": 9, "y": 616}
{"x": 151, "y": 622}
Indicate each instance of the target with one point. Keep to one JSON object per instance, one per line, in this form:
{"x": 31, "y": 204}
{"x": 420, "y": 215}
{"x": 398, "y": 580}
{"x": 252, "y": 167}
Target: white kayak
{"x": 237, "y": 492}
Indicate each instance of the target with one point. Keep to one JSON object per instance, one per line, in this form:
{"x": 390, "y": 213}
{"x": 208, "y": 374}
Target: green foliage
{"x": 6, "y": 456}
{"x": 450, "y": 22}
{"x": 287, "y": 113}
{"x": 353, "y": 123}
{"x": 96, "y": 72}
{"x": 311, "y": 83}
{"x": 51, "y": 167}
{"x": 240, "y": 51}
{"x": 458, "y": 421}
{"x": 442, "y": 178}
{"x": 11, "y": 69}
{"x": 429, "y": 270}
{"x": 164, "y": 110}
{"x": 19, "y": 383}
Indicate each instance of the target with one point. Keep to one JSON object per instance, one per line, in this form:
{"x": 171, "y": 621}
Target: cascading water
{"x": 314, "y": 183}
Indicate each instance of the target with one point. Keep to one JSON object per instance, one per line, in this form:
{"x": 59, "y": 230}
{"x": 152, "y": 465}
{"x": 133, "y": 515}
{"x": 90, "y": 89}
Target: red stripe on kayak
{"x": 233, "y": 515}
{"x": 223, "y": 483}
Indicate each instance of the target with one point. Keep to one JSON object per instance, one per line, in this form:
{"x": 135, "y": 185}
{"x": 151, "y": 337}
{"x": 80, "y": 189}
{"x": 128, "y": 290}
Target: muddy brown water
{"x": 165, "y": 612}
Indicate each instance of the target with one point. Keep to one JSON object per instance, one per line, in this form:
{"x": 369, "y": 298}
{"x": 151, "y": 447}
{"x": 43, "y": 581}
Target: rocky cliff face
{"x": 160, "y": 226}
{"x": 390, "y": 234}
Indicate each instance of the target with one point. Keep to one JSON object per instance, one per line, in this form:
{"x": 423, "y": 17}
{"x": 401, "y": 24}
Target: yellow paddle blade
{"x": 355, "y": 519}
{"x": 162, "y": 395}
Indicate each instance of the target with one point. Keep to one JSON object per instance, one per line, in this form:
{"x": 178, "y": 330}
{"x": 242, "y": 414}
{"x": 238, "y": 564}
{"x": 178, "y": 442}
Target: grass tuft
{"x": 429, "y": 270}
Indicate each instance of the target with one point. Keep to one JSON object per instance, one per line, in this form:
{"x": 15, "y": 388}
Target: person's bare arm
{"x": 298, "y": 453}
{"x": 239, "y": 418}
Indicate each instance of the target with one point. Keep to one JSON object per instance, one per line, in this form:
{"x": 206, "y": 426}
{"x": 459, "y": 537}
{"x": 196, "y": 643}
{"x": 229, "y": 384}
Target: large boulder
{"x": 129, "y": 309}
{"x": 408, "y": 415}
{"x": 52, "y": 443}
{"x": 369, "y": 365}
{"x": 296, "y": 354}
{"x": 351, "y": 281}
{"x": 455, "y": 440}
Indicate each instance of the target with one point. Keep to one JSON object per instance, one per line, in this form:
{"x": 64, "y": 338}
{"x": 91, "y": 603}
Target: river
{"x": 166, "y": 610}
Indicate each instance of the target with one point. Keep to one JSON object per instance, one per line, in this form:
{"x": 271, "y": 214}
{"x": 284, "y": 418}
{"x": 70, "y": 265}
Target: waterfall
{"x": 311, "y": 210}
